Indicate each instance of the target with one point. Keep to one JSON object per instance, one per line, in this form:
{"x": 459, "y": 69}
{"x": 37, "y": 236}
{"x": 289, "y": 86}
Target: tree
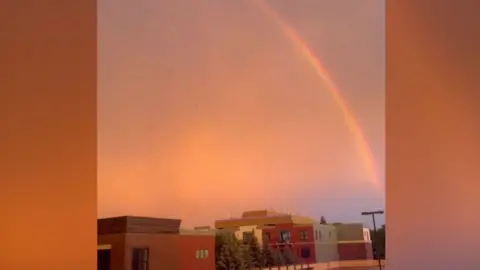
{"x": 219, "y": 242}
{"x": 289, "y": 256}
{"x": 323, "y": 220}
{"x": 247, "y": 258}
{"x": 378, "y": 242}
{"x": 280, "y": 258}
{"x": 254, "y": 252}
{"x": 268, "y": 255}
{"x": 228, "y": 252}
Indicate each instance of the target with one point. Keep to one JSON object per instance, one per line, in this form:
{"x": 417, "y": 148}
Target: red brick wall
{"x": 117, "y": 253}
{"x": 354, "y": 251}
{"x": 163, "y": 250}
{"x": 297, "y": 249}
{"x": 297, "y": 243}
{"x": 167, "y": 251}
{"x": 307, "y": 243}
{"x": 294, "y": 232}
{"x": 189, "y": 244}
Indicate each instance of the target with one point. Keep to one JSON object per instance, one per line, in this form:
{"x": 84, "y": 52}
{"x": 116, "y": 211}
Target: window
{"x": 316, "y": 235}
{"x": 201, "y": 254}
{"x": 284, "y": 236}
{"x": 266, "y": 236}
{"x": 305, "y": 252}
{"x": 247, "y": 237}
{"x": 197, "y": 254}
{"x": 319, "y": 235}
{"x": 303, "y": 235}
{"x": 140, "y": 259}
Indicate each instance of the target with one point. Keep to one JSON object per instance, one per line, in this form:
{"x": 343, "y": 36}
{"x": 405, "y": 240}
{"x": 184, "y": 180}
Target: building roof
{"x": 263, "y": 217}
{"x": 349, "y": 231}
{"x": 135, "y": 224}
{"x": 148, "y": 225}
{"x": 320, "y": 225}
{"x": 184, "y": 231}
{"x": 260, "y": 213}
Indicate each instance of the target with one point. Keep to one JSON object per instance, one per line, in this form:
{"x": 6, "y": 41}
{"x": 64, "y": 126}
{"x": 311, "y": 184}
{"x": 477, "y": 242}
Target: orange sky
{"x": 205, "y": 109}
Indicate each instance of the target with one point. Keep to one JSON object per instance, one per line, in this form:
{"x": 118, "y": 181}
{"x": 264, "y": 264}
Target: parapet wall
{"x": 336, "y": 264}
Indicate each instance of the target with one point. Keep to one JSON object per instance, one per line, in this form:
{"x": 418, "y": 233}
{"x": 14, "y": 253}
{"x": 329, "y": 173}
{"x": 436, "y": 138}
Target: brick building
{"x": 299, "y": 238}
{"x": 139, "y": 243}
{"x": 281, "y": 230}
{"x": 309, "y": 240}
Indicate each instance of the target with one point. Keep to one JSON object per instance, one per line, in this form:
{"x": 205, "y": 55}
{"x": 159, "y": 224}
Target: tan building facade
{"x": 325, "y": 242}
{"x": 243, "y": 232}
{"x": 353, "y": 241}
{"x": 366, "y": 235}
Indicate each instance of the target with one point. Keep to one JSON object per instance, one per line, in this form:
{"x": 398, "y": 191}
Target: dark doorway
{"x": 103, "y": 259}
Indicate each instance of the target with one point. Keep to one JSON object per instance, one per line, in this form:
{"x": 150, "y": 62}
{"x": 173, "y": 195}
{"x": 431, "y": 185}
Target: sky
{"x": 206, "y": 109}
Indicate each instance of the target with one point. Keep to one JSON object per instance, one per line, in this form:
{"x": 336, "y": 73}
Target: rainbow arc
{"x": 354, "y": 128}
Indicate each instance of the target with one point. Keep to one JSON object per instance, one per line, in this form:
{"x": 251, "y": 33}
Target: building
{"x": 354, "y": 242}
{"x": 246, "y": 232}
{"x": 196, "y": 249}
{"x": 299, "y": 238}
{"x": 279, "y": 230}
{"x": 309, "y": 240}
{"x": 326, "y": 248}
{"x": 140, "y": 243}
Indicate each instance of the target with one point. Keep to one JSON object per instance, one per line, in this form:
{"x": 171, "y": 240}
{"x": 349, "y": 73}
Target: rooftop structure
{"x": 262, "y": 218}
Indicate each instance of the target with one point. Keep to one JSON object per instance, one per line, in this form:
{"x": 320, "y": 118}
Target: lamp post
{"x": 373, "y": 213}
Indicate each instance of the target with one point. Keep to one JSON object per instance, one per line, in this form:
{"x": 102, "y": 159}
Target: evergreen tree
{"x": 228, "y": 252}
{"x": 219, "y": 242}
{"x": 280, "y": 258}
{"x": 289, "y": 256}
{"x": 378, "y": 242}
{"x": 247, "y": 258}
{"x": 254, "y": 252}
{"x": 268, "y": 255}
{"x": 323, "y": 220}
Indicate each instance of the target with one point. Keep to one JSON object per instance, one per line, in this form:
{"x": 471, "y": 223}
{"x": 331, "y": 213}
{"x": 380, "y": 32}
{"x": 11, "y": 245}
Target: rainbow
{"x": 360, "y": 141}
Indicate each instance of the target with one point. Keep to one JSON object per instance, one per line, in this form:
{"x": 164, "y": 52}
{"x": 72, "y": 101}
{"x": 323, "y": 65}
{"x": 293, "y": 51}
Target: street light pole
{"x": 373, "y": 213}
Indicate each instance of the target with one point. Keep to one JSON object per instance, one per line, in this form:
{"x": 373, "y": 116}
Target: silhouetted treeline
{"x": 233, "y": 254}
{"x": 378, "y": 242}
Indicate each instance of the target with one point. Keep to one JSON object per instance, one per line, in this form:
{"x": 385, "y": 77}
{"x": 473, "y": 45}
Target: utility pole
{"x": 373, "y": 213}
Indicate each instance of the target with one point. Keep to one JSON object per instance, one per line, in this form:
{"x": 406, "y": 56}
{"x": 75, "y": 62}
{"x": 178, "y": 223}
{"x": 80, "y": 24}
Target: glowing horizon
{"x": 360, "y": 141}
